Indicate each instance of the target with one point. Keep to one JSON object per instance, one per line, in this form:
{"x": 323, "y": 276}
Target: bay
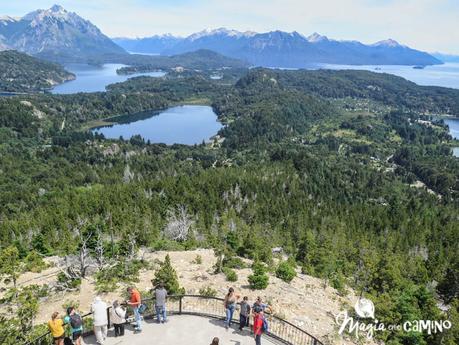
{"x": 90, "y": 78}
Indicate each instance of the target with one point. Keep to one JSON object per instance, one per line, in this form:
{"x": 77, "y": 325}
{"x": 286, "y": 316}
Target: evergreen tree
{"x": 167, "y": 275}
{"x": 9, "y": 263}
{"x": 259, "y": 279}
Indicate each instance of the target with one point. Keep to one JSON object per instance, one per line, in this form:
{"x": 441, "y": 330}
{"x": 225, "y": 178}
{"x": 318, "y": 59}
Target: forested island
{"x": 197, "y": 60}
{"x": 325, "y": 164}
{"x": 21, "y": 73}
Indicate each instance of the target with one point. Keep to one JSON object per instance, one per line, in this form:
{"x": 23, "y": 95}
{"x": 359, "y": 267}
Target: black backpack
{"x": 76, "y": 321}
{"x": 68, "y": 341}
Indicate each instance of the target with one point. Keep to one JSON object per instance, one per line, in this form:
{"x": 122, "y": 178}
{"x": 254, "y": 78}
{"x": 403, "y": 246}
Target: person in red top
{"x": 134, "y": 302}
{"x": 258, "y": 325}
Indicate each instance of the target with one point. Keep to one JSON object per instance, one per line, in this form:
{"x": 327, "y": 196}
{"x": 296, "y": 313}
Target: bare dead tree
{"x": 99, "y": 250}
{"x": 132, "y": 251}
{"x": 179, "y": 224}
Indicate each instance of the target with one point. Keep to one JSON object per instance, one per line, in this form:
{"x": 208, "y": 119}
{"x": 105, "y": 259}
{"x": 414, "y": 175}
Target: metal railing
{"x": 212, "y": 307}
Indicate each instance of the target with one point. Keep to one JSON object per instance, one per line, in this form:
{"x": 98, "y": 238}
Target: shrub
{"x": 107, "y": 279}
{"x": 197, "y": 260}
{"x": 234, "y": 262}
{"x": 70, "y": 303}
{"x": 33, "y": 262}
{"x": 285, "y": 271}
{"x": 230, "y": 274}
{"x": 167, "y": 274}
{"x": 208, "y": 292}
{"x": 68, "y": 283}
{"x": 259, "y": 279}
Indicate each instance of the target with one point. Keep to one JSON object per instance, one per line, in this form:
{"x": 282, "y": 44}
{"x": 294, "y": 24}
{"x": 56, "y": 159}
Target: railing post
{"x": 180, "y": 305}
{"x": 108, "y": 317}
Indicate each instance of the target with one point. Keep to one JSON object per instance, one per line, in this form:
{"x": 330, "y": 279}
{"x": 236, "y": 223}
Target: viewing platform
{"x": 194, "y": 320}
{"x": 182, "y": 329}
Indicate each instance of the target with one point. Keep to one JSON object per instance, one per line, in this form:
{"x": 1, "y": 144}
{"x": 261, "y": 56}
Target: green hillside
{"x": 22, "y": 73}
{"x": 326, "y": 165}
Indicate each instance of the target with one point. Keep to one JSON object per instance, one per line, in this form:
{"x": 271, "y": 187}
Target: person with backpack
{"x": 118, "y": 317}
{"x": 230, "y": 305}
{"x": 75, "y": 321}
{"x": 99, "y": 314}
{"x": 244, "y": 314}
{"x": 260, "y": 325}
{"x": 56, "y": 327}
{"x": 215, "y": 341}
{"x": 135, "y": 303}
{"x": 264, "y": 306}
{"x": 160, "y": 303}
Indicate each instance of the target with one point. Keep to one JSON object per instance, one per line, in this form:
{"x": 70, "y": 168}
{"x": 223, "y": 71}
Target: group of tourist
{"x": 260, "y": 324}
{"x": 118, "y": 316}
{"x": 100, "y": 318}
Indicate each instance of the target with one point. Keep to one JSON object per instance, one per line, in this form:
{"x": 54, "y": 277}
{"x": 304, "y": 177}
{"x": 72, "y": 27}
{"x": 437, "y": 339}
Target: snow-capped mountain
{"x": 284, "y": 49}
{"x": 315, "y": 37}
{"x": 56, "y": 34}
{"x": 220, "y": 32}
{"x": 387, "y": 43}
{"x": 148, "y": 45}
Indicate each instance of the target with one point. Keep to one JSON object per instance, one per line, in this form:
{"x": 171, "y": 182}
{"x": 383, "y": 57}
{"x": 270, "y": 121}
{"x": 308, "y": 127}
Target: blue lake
{"x": 453, "y": 127}
{"x": 91, "y": 78}
{"x": 187, "y": 124}
{"x": 446, "y": 75}
{"x": 454, "y": 131}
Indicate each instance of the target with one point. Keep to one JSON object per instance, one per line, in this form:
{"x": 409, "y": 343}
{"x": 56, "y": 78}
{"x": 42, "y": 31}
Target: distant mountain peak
{"x": 56, "y": 33}
{"x": 6, "y": 19}
{"x": 388, "y": 43}
{"x": 316, "y": 37}
{"x": 220, "y": 31}
{"x": 57, "y": 8}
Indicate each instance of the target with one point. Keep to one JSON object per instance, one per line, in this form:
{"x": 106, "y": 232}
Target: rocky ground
{"x": 306, "y": 301}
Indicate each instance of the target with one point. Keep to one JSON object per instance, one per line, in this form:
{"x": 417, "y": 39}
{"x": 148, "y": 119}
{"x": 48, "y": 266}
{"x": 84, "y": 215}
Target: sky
{"x": 429, "y": 25}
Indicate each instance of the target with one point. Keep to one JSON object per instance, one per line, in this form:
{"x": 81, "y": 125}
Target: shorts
{"x": 76, "y": 335}
{"x": 58, "y": 338}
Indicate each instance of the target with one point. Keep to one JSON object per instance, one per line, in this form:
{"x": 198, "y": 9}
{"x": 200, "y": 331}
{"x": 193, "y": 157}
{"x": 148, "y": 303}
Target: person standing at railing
{"x": 244, "y": 314}
{"x": 134, "y": 302}
{"x": 118, "y": 317}
{"x": 75, "y": 321}
{"x": 160, "y": 303}
{"x": 56, "y": 327}
{"x": 264, "y": 306}
{"x": 258, "y": 324}
{"x": 99, "y": 315}
{"x": 230, "y": 305}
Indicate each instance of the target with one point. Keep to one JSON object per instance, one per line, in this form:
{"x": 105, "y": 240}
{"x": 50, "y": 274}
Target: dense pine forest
{"x": 326, "y": 165}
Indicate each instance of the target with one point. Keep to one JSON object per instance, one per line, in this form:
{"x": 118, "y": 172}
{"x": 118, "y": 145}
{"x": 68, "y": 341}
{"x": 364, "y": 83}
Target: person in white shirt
{"x": 118, "y": 318}
{"x": 99, "y": 315}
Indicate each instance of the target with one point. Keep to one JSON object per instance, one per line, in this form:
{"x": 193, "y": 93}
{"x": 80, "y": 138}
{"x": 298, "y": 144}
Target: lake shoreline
{"x": 186, "y": 124}
{"x": 105, "y": 121}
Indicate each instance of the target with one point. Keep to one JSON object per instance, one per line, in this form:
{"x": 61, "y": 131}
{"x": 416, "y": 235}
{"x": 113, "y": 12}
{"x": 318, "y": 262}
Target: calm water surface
{"x": 188, "y": 124}
{"x": 446, "y": 75}
{"x": 91, "y": 78}
{"x": 454, "y": 131}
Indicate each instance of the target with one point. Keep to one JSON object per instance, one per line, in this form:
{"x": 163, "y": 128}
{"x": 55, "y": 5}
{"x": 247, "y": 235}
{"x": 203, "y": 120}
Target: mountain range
{"x": 56, "y": 34}
{"x": 281, "y": 49}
